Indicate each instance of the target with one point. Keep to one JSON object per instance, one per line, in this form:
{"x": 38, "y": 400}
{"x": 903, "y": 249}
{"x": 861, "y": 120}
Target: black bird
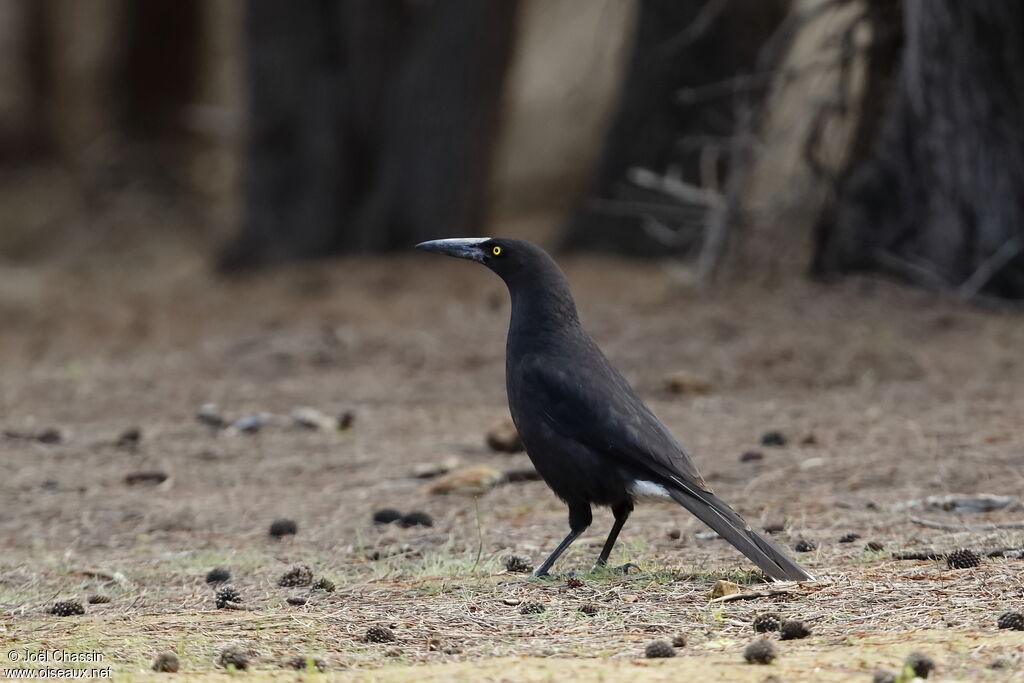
{"x": 588, "y": 434}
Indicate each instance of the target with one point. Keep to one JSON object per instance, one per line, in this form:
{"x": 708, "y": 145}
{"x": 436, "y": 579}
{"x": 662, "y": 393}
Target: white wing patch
{"x": 647, "y": 489}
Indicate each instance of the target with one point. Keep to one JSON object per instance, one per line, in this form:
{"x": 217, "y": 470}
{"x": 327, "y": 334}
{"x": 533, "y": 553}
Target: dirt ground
{"x": 884, "y": 395}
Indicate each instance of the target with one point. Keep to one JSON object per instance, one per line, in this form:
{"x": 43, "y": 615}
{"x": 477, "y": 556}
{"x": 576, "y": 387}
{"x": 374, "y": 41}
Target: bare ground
{"x": 885, "y": 395}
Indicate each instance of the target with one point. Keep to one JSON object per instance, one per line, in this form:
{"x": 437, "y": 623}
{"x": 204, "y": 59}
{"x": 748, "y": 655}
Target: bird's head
{"x": 508, "y": 258}
{"x": 538, "y": 286}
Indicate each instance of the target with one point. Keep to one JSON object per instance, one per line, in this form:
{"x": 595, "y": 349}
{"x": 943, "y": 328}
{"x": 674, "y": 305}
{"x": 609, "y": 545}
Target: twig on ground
{"x": 985, "y": 526}
{"x": 751, "y": 596}
{"x": 918, "y": 555}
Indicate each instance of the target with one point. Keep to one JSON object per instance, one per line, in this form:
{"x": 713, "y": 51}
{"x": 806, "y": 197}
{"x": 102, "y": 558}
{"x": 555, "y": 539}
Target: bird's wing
{"x": 597, "y": 407}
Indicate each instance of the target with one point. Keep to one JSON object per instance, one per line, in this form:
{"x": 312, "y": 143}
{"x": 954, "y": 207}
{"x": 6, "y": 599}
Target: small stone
{"x": 751, "y": 456}
{"x": 129, "y": 438}
{"x": 386, "y": 516}
{"x": 773, "y": 438}
{"x": 280, "y": 528}
{"x": 883, "y": 676}
{"x": 589, "y": 609}
{"x": 67, "y": 608}
{"x": 793, "y": 629}
{"x": 723, "y": 588}
{"x": 166, "y": 662}
{"x": 679, "y": 641}
{"x": 470, "y": 481}
{"x": 250, "y": 424}
{"x": 296, "y": 600}
{"x": 50, "y": 436}
{"x": 311, "y": 418}
{"x": 218, "y": 575}
{"x": 963, "y": 558}
{"x": 766, "y": 622}
{"x": 1011, "y": 620}
{"x": 227, "y": 595}
{"x": 379, "y": 634}
{"x": 849, "y": 538}
{"x": 299, "y": 575}
{"x": 659, "y": 649}
{"x": 920, "y": 663}
{"x": 300, "y": 663}
{"x": 516, "y": 564}
{"x": 804, "y": 546}
{"x": 209, "y": 414}
{"x": 429, "y": 470}
{"x": 415, "y": 518}
{"x": 759, "y": 651}
{"x": 684, "y": 382}
{"x": 324, "y": 584}
{"x": 233, "y": 656}
{"x": 97, "y": 599}
{"x": 874, "y": 547}
{"x": 503, "y": 438}
{"x": 531, "y": 607}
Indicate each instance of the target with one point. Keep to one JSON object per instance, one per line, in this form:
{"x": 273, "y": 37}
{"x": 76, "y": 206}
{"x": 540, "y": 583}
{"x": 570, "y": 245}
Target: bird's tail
{"x": 714, "y": 512}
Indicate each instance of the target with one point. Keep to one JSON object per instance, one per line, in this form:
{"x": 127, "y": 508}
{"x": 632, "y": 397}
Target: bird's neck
{"x": 542, "y": 306}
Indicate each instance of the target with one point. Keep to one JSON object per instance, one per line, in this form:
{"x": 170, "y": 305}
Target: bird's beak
{"x": 463, "y": 247}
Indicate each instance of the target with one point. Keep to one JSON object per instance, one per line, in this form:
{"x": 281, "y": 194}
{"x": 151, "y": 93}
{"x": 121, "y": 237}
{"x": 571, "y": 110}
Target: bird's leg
{"x": 579, "y": 519}
{"x": 566, "y": 542}
{"x": 621, "y": 512}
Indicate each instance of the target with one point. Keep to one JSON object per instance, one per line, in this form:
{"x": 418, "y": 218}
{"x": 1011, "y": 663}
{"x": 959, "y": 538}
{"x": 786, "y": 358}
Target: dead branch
{"x": 751, "y": 596}
{"x": 985, "y": 526}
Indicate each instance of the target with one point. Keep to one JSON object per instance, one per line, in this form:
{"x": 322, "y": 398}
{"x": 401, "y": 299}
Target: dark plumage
{"x": 590, "y": 437}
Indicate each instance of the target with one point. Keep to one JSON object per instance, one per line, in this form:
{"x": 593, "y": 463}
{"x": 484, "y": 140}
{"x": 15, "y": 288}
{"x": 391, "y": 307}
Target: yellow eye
{"x": 496, "y": 251}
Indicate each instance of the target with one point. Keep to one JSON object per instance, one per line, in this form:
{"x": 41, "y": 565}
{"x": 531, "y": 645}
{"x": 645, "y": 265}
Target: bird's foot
{"x": 546, "y": 576}
{"x": 601, "y": 568}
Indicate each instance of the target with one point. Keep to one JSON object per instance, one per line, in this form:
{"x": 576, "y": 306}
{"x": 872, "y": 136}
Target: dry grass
{"x": 905, "y": 396}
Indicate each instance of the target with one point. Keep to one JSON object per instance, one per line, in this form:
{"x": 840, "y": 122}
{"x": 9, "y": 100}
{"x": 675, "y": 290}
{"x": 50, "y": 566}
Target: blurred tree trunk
{"x": 939, "y": 198}
{"x": 830, "y": 65}
{"x": 15, "y": 84}
{"x": 75, "y": 58}
{"x": 371, "y": 123}
{"x": 679, "y": 45}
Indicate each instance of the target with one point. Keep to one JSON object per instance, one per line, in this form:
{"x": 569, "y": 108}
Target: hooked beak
{"x": 462, "y": 247}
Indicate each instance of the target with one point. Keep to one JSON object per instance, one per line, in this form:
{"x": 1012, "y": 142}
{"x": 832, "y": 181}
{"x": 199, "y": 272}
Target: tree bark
{"x": 940, "y": 198}
{"x": 678, "y": 44}
{"x": 370, "y": 123}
